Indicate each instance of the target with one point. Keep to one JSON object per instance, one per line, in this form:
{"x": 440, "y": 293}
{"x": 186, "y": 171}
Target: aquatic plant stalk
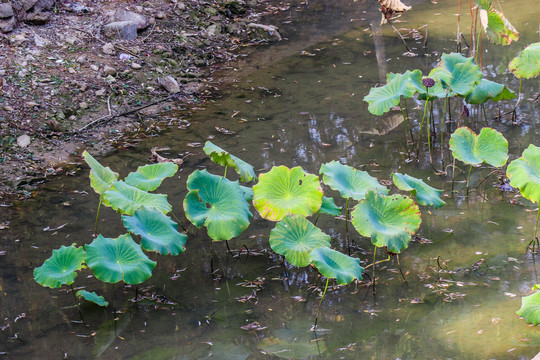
{"x": 514, "y": 116}
{"x": 468, "y": 177}
{"x": 320, "y": 303}
{"x": 443, "y": 121}
{"x": 97, "y": 217}
{"x": 405, "y": 116}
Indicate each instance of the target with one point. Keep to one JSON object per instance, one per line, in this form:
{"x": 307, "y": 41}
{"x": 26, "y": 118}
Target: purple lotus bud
{"x": 465, "y": 111}
{"x": 428, "y": 82}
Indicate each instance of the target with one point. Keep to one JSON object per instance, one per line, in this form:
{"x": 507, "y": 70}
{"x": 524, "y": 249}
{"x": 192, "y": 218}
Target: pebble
{"x": 101, "y": 92}
{"x": 135, "y": 66}
{"x": 108, "y": 49}
{"x": 71, "y": 70}
{"x": 7, "y": 108}
{"x": 94, "y": 67}
{"x": 109, "y": 70}
{"x": 31, "y": 104}
{"x": 23, "y": 141}
{"x": 83, "y": 105}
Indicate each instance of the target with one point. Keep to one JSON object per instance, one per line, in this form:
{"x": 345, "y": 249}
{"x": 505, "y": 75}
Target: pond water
{"x": 466, "y": 271}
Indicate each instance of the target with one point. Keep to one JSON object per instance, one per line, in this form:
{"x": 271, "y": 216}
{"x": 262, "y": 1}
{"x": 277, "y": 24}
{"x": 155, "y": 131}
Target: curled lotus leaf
{"x": 527, "y": 64}
{"x": 497, "y": 28}
{"x": 489, "y": 146}
{"x": 217, "y": 203}
{"x": 294, "y": 237}
{"x": 150, "y": 177}
{"x": 524, "y": 173}
{"x": 530, "y": 308}
{"x": 101, "y": 178}
{"x": 61, "y": 268}
{"x": 92, "y": 297}
{"x": 335, "y": 265}
{"x": 112, "y": 260}
{"x": 350, "y": 182}
{"x": 224, "y": 158}
{"x": 425, "y": 194}
{"x": 489, "y": 90}
{"x": 283, "y": 191}
{"x": 382, "y": 99}
{"x": 158, "y": 231}
{"x": 388, "y": 220}
{"x": 127, "y": 199}
{"x": 329, "y": 207}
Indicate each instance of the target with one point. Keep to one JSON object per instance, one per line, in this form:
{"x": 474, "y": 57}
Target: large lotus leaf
{"x": 457, "y": 74}
{"x": 283, "y": 191}
{"x": 436, "y": 91}
{"x": 382, "y": 99}
{"x": 217, "y": 203}
{"x": 498, "y": 29}
{"x": 112, "y": 260}
{"x": 92, "y": 297}
{"x": 530, "y": 308}
{"x": 335, "y": 265}
{"x": 101, "y": 178}
{"x": 489, "y": 90}
{"x": 149, "y": 177}
{"x": 524, "y": 173}
{"x": 224, "y": 158}
{"x": 388, "y": 220}
{"x": 295, "y": 237}
{"x": 350, "y": 182}
{"x": 127, "y": 199}
{"x": 425, "y": 194}
{"x": 490, "y": 146}
{"x": 329, "y": 207}
{"x": 61, "y": 268}
{"x": 527, "y": 64}
{"x": 158, "y": 231}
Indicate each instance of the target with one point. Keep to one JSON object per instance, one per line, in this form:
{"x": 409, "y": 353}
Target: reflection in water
{"x": 465, "y": 273}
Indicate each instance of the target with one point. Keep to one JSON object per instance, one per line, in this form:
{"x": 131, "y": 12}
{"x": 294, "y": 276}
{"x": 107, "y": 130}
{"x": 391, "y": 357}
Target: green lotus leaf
{"x": 382, "y": 99}
{"x": 112, "y": 260}
{"x": 158, "y": 231}
{"x": 127, "y": 199}
{"x": 217, "y": 203}
{"x": 61, "y": 268}
{"x": 335, "y": 265}
{"x": 283, "y": 191}
{"x": 388, "y": 220}
{"x": 489, "y": 90}
{"x": 524, "y": 173}
{"x": 149, "y": 177}
{"x": 350, "y": 182}
{"x": 530, "y": 308}
{"x": 490, "y": 146}
{"x": 527, "y": 64}
{"x": 248, "y": 192}
{"x": 436, "y": 91}
{"x": 497, "y": 28}
{"x": 329, "y": 207}
{"x": 425, "y": 194}
{"x": 224, "y": 158}
{"x": 101, "y": 178}
{"x": 92, "y": 297}
{"x": 295, "y": 237}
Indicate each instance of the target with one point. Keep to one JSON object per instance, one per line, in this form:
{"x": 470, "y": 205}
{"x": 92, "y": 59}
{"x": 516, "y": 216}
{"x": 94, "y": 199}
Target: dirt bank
{"x": 73, "y": 84}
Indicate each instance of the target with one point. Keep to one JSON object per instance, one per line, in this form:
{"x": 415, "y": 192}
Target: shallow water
{"x": 304, "y": 107}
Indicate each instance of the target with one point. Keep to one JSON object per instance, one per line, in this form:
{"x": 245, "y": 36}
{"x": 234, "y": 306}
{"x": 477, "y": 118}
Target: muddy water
{"x": 465, "y": 274}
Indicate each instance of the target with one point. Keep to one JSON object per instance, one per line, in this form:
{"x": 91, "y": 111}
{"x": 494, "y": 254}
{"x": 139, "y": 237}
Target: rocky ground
{"x": 79, "y": 74}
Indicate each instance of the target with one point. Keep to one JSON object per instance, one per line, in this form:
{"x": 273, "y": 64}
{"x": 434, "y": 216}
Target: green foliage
{"x": 388, "y": 220}
{"x": 217, "y": 203}
{"x": 524, "y": 173}
{"x": 112, "y": 260}
{"x": 425, "y": 194}
{"x": 335, "y": 265}
{"x": 490, "y": 147}
{"x": 283, "y": 191}
{"x": 92, "y": 297}
{"x": 527, "y": 64}
{"x": 127, "y": 199}
{"x": 383, "y": 98}
{"x": 464, "y": 74}
{"x": 61, "y": 268}
{"x": 351, "y": 183}
{"x": 149, "y": 177}
{"x": 497, "y": 28}
{"x": 329, "y": 207}
{"x": 224, "y": 158}
{"x": 158, "y": 231}
{"x": 530, "y": 308}
{"x": 489, "y": 90}
{"x": 101, "y": 178}
{"x": 295, "y": 237}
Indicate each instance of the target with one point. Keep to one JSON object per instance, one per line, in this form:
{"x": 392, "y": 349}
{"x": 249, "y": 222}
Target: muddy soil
{"x": 67, "y": 85}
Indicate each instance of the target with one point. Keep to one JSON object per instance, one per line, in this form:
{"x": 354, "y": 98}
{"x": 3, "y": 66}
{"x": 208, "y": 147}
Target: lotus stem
{"x": 378, "y": 262}
{"x": 442, "y": 128}
{"x": 320, "y": 303}
{"x": 468, "y": 178}
{"x": 535, "y": 239}
{"x": 485, "y": 116}
{"x": 405, "y": 120}
{"x": 399, "y": 267}
{"x": 458, "y": 37}
{"x": 422, "y": 125}
{"x": 347, "y": 225}
{"x": 225, "y": 173}
{"x": 374, "y": 263}
{"x": 514, "y": 116}
{"x": 97, "y": 217}
{"x": 429, "y": 136}
{"x": 453, "y": 173}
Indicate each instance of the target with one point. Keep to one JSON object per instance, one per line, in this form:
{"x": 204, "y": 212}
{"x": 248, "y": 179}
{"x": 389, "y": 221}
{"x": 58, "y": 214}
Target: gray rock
{"x": 101, "y": 92}
{"x": 41, "y": 41}
{"x": 23, "y": 141}
{"x": 25, "y": 5}
{"x": 41, "y": 5}
{"x": 18, "y": 40}
{"x": 108, "y": 49}
{"x": 214, "y": 29}
{"x": 135, "y": 66}
{"x": 37, "y": 18}
{"x": 6, "y": 10}
{"x": 126, "y": 30}
{"x": 83, "y": 105}
{"x": 109, "y": 70}
{"x": 267, "y": 32}
{"x": 8, "y": 24}
{"x": 124, "y": 15}
{"x": 170, "y": 84}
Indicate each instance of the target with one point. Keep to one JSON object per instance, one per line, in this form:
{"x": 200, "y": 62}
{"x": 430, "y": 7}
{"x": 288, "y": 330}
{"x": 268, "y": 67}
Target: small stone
{"x": 135, "y": 66}
{"x": 54, "y": 125}
{"x": 110, "y": 79}
{"x": 72, "y": 70}
{"x": 72, "y": 118}
{"x": 6, "y": 10}
{"x": 83, "y": 105}
{"x": 126, "y": 30}
{"x": 160, "y": 15}
{"x": 94, "y": 67}
{"x": 31, "y": 104}
{"x": 18, "y": 40}
{"x": 23, "y": 141}
{"x": 124, "y": 15}
{"x": 108, "y": 49}
{"x": 83, "y": 87}
{"x": 7, "y": 108}
{"x": 41, "y": 41}
{"x": 267, "y": 32}
{"x": 109, "y": 70}
{"x": 101, "y": 92}
{"x": 39, "y": 18}
{"x": 8, "y": 24}
{"x": 170, "y": 84}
